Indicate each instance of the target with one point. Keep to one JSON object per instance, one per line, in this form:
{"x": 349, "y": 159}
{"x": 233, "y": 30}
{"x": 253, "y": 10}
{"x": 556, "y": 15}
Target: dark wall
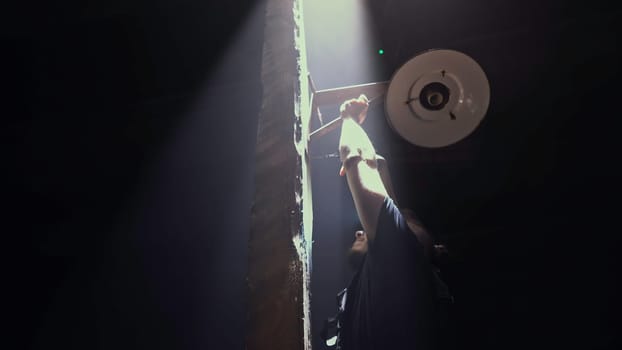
{"x": 131, "y": 132}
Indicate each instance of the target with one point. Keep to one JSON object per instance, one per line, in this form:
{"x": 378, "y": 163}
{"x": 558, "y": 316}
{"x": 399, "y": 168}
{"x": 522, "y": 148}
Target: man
{"x": 392, "y": 300}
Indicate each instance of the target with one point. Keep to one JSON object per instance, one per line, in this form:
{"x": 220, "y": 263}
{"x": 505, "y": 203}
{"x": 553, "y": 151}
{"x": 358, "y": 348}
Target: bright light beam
{"x": 340, "y": 43}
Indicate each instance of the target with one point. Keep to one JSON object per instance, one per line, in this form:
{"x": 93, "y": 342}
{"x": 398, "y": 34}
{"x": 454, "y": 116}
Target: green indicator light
{"x": 381, "y": 52}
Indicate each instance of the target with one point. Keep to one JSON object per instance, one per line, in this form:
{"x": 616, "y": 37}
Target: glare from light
{"x": 340, "y": 43}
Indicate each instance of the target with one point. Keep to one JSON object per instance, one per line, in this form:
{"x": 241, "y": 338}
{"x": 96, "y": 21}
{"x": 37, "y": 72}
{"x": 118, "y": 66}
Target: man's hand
{"x": 355, "y": 108}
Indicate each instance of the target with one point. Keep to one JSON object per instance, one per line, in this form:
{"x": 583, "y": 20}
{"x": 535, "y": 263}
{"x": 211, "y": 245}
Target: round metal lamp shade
{"x": 437, "y": 98}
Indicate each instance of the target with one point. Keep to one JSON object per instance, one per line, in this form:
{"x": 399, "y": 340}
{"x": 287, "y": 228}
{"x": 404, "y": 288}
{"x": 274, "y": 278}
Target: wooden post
{"x": 281, "y": 218}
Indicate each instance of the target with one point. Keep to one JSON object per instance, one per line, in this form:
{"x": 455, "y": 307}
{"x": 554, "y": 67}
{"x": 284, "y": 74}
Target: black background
{"x": 130, "y": 131}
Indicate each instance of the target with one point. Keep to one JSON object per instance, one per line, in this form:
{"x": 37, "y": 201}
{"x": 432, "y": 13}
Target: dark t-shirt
{"x": 390, "y": 301}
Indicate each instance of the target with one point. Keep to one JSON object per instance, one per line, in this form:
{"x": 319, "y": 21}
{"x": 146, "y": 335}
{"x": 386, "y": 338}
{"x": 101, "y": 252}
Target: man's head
{"x": 358, "y": 250}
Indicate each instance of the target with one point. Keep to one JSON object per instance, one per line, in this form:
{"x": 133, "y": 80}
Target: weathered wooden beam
{"x": 280, "y": 239}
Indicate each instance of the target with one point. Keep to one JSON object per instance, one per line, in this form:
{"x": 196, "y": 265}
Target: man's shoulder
{"x": 391, "y": 220}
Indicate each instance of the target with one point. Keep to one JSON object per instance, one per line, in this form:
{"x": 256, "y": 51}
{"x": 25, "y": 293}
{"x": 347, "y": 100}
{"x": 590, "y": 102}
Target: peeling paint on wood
{"x": 281, "y": 218}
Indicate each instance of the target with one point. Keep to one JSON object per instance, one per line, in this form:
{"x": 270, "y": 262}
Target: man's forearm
{"x": 361, "y": 169}
{"x": 354, "y": 138}
{"x": 354, "y": 142}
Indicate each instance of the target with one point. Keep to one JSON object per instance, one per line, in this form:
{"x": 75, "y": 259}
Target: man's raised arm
{"x": 360, "y": 165}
